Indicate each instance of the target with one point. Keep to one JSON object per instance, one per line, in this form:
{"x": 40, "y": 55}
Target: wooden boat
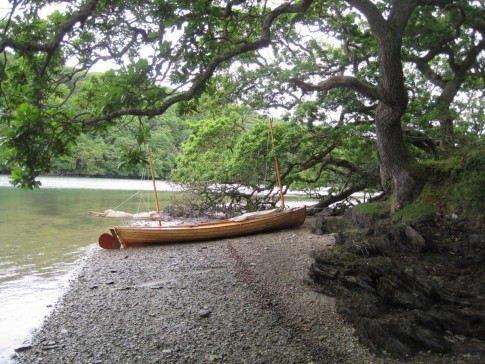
{"x": 134, "y": 236}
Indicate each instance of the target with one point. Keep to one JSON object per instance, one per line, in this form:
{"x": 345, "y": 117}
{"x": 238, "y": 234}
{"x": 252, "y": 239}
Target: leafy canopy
{"x": 321, "y": 60}
{"x": 164, "y": 53}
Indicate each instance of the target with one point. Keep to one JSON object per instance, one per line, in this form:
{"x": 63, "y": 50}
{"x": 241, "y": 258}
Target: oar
{"x": 277, "y": 165}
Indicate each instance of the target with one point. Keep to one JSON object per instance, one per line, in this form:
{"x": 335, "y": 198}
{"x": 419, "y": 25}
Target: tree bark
{"x": 395, "y": 159}
{"x": 394, "y": 156}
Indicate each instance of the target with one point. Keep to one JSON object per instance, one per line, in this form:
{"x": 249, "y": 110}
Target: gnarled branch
{"x": 349, "y": 82}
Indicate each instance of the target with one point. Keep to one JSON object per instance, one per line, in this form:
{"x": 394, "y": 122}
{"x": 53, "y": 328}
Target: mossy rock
{"x": 330, "y": 224}
{"x": 368, "y": 214}
{"x": 439, "y": 170}
{"x": 457, "y": 184}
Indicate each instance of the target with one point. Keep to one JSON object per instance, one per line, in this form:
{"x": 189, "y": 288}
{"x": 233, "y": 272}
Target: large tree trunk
{"x": 396, "y": 162}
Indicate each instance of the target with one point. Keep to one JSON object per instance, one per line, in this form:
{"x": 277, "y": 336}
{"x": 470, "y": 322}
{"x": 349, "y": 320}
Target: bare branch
{"x": 335, "y": 198}
{"x": 372, "y": 13}
{"x": 352, "y": 83}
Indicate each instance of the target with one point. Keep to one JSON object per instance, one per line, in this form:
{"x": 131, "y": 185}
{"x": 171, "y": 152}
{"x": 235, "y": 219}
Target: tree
{"x": 449, "y": 59}
{"x": 390, "y": 93}
{"x": 232, "y": 155}
{"x": 169, "y": 53}
{"x": 187, "y": 42}
{"x": 118, "y": 145}
{"x": 360, "y": 74}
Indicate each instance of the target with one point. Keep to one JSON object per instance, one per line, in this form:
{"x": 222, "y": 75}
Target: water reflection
{"x": 43, "y": 234}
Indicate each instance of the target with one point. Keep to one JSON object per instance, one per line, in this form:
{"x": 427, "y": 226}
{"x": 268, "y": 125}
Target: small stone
{"x": 52, "y": 347}
{"x": 204, "y": 313}
{"x": 21, "y": 349}
{"x": 213, "y": 357}
{"x": 156, "y": 287}
{"x": 126, "y": 288}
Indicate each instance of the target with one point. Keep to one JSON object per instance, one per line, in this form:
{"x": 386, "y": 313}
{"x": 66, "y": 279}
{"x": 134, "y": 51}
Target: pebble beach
{"x": 239, "y": 300}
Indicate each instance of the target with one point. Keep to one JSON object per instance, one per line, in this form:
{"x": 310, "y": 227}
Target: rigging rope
{"x": 143, "y": 203}
{"x": 146, "y": 206}
{"x": 128, "y": 199}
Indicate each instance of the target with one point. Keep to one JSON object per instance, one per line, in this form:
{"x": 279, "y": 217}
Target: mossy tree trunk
{"x": 396, "y": 161}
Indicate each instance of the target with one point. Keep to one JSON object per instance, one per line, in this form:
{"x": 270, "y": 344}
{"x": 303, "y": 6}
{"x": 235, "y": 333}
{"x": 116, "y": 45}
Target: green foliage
{"x": 121, "y": 151}
{"x": 148, "y": 44}
{"x": 209, "y": 153}
{"x": 234, "y": 151}
{"x": 129, "y": 87}
{"x": 252, "y": 161}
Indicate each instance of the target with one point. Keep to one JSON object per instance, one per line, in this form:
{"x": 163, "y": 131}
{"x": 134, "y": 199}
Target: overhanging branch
{"x": 200, "y": 80}
{"x": 372, "y": 92}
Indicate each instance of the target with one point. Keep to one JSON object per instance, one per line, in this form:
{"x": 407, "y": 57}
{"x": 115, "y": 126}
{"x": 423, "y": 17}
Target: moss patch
{"x": 456, "y": 184}
{"x": 417, "y": 170}
{"x": 414, "y": 213}
{"x": 377, "y": 209}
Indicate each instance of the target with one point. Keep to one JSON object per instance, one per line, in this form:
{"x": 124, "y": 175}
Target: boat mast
{"x": 153, "y": 177}
{"x": 277, "y": 165}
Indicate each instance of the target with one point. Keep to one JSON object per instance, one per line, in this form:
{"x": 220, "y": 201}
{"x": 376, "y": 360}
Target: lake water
{"x": 43, "y": 235}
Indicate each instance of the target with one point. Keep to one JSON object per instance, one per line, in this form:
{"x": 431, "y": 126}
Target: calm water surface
{"x": 43, "y": 235}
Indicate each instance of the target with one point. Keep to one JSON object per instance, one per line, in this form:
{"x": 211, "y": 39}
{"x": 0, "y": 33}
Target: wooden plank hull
{"x": 132, "y": 236}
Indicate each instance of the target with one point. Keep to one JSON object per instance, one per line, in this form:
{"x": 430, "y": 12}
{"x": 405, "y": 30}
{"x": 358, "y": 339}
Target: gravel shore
{"x": 240, "y": 300}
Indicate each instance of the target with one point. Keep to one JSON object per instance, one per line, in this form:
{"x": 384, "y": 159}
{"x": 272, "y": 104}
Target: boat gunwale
{"x": 227, "y": 222}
